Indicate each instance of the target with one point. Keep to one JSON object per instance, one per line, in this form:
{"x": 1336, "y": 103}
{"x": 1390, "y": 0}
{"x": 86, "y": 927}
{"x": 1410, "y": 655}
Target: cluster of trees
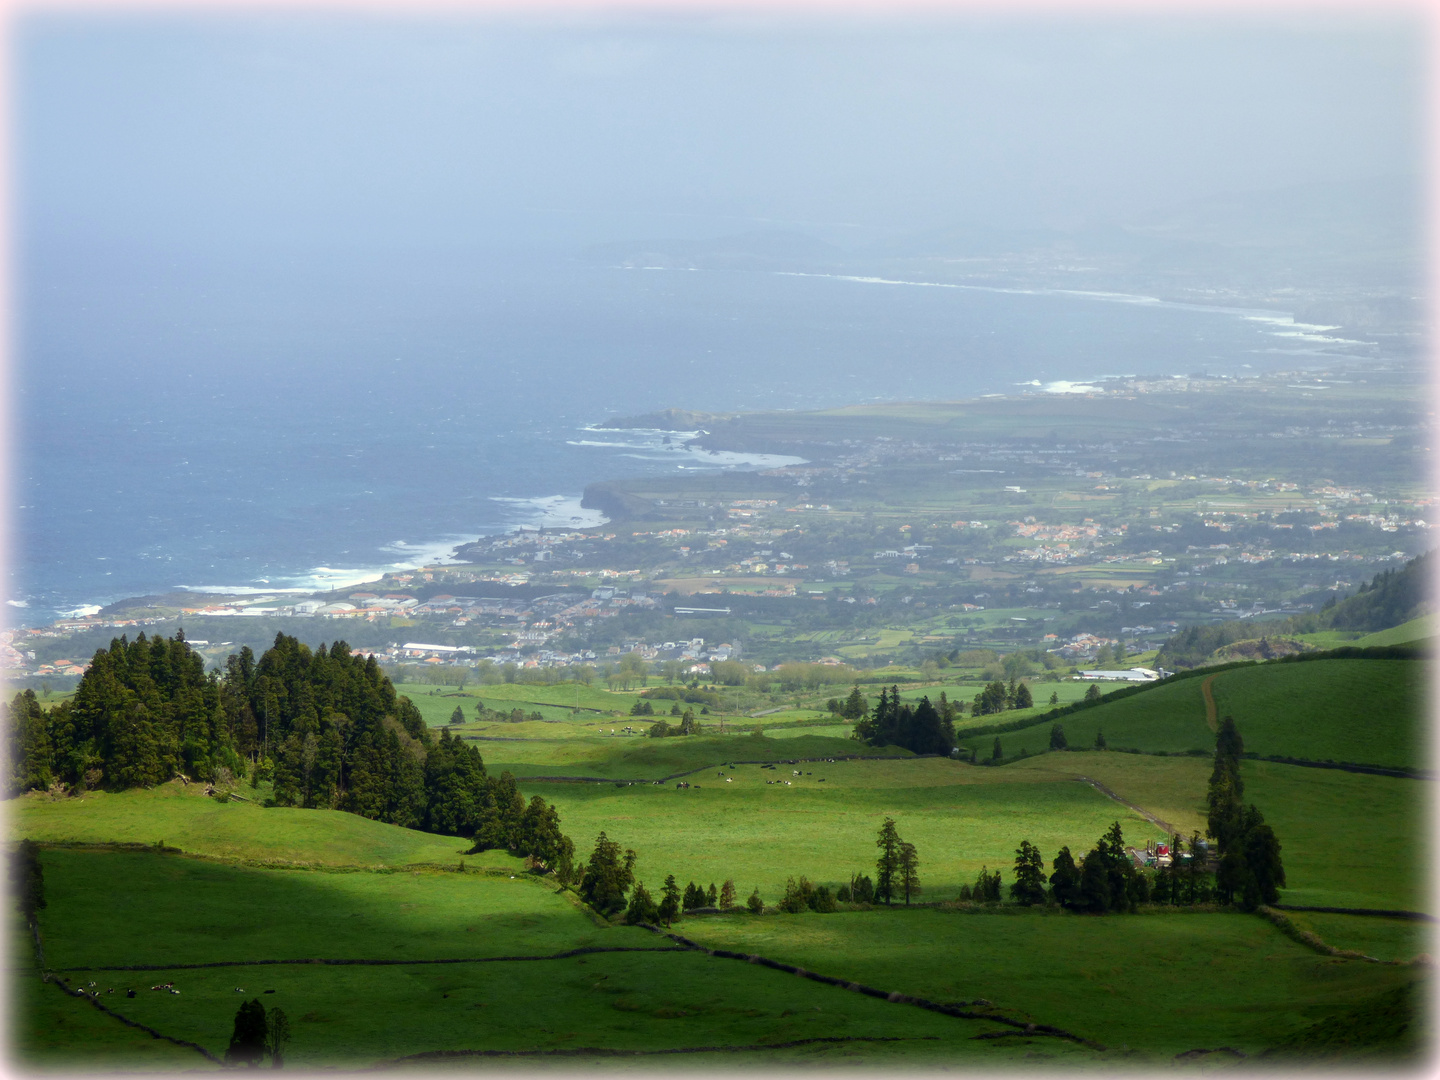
{"x": 897, "y": 868}
{"x": 804, "y": 895}
{"x": 854, "y": 707}
{"x": 325, "y": 725}
{"x": 644, "y": 909}
{"x": 923, "y": 729}
{"x": 662, "y": 728}
{"x": 986, "y": 889}
{"x": 1250, "y": 867}
{"x": 997, "y": 697}
{"x": 1059, "y": 742}
{"x": 258, "y": 1033}
{"x": 860, "y": 890}
{"x": 511, "y": 716}
{"x": 692, "y": 695}
{"x": 1104, "y": 880}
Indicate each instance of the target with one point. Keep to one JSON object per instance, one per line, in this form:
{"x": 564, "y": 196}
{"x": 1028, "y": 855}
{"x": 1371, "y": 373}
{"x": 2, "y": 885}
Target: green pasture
{"x": 1367, "y": 711}
{"x": 1421, "y": 629}
{"x": 1363, "y": 711}
{"x": 823, "y": 823}
{"x": 1068, "y": 691}
{"x": 638, "y": 757}
{"x": 1171, "y": 788}
{"x": 1347, "y": 839}
{"x": 1158, "y": 984}
{"x": 834, "y": 731}
{"x": 1169, "y": 716}
{"x": 1380, "y": 937}
{"x": 184, "y": 817}
{"x": 48, "y": 1027}
{"x": 113, "y": 908}
{"x": 554, "y": 701}
{"x": 1416, "y": 630}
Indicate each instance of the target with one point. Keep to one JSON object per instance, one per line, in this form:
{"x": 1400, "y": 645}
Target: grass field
{"x": 1166, "y": 983}
{"x": 823, "y": 825}
{"x": 641, "y": 758}
{"x": 104, "y": 914}
{"x": 282, "y": 884}
{"x": 1382, "y": 938}
{"x": 1363, "y": 711}
{"x": 185, "y": 818}
{"x": 554, "y": 702}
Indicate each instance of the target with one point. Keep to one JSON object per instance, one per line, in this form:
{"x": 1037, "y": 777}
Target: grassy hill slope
{"x": 1352, "y": 710}
{"x": 185, "y": 818}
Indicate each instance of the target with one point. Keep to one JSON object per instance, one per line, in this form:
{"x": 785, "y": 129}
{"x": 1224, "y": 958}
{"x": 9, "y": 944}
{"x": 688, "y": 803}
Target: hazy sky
{"x": 206, "y": 131}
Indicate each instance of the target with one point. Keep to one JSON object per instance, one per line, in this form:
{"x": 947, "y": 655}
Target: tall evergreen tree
{"x": 1028, "y": 888}
{"x": 669, "y": 900}
{"x": 608, "y": 876}
{"x": 1065, "y": 881}
{"x": 247, "y": 1041}
{"x": 908, "y": 870}
{"x": 642, "y": 907}
{"x": 887, "y": 866}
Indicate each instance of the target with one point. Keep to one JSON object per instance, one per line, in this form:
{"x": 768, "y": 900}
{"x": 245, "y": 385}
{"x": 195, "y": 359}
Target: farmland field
{"x": 1362, "y": 711}
{"x": 280, "y": 884}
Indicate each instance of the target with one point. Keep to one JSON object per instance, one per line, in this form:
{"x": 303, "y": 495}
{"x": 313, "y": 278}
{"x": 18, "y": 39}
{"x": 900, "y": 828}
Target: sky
{"x": 330, "y": 131}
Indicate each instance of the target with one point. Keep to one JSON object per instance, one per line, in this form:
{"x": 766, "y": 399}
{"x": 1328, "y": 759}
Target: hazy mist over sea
{"x": 300, "y": 298}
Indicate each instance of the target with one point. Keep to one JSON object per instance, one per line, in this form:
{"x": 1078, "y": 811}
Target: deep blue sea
{"x": 269, "y": 420}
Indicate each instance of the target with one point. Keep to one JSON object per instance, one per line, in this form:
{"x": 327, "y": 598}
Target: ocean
{"x": 280, "y": 420}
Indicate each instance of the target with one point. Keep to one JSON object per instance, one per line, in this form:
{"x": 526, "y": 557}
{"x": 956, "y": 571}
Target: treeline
{"x": 1391, "y": 598}
{"x": 325, "y": 726}
{"x": 923, "y": 728}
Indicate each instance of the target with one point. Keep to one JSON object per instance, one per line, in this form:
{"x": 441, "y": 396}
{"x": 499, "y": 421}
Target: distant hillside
{"x": 1357, "y": 711}
{"x": 668, "y": 420}
{"x": 1392, "y": 598}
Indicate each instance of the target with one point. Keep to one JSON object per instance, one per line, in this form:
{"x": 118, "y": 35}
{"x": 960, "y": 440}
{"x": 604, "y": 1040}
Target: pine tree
{"x": 996, "y": 753}
{"x": 888, "y": 865}
{"x": 669, "y": 900}
{"x": 458, "y": 716}
{"x": 1057, "y": 738}
{"x": 1023, "y": 698}
{"x": 247, "y": 1042}
{"x": 642, "y": 907}
{"x": 712, "y": 895}
{"x": 754, "y": 904}
{"x": 607, "y": 876}
{"x": 1092, "y": 693}
{"x": 908, "y": 869}
{"x": 1065, "y": 881}
{"x": 1029, "y": 885}
{"x": 727, "y": 895}
{"x": 1099, "y": 739}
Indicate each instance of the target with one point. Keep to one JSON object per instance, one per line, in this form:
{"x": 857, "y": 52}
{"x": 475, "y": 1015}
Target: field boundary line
{"x": 1170, "y": 830}
{"x": 603, "y": 1051}
{"x": 721, "y": 764}
{"x": 1212, "y": 712}
{"x": 894, "y": 996}
{"x": 586, "y": 950}
{"x": 1385, "y": 913}
{"x": 1313, "y": 941}
{"x": 94, "y": 999}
